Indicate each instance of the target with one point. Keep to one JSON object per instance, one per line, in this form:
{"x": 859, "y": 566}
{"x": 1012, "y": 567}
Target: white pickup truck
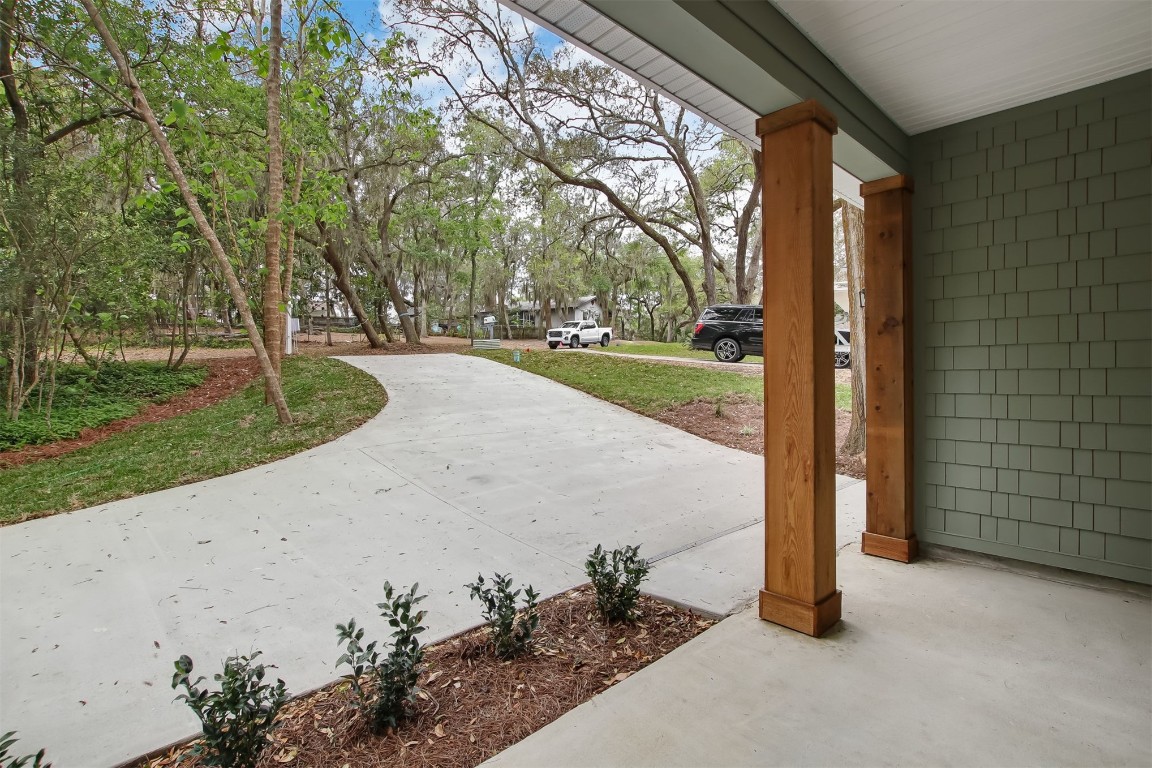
{"x": 580, "y": 333}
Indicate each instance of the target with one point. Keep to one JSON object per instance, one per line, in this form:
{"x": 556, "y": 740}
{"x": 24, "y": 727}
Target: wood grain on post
{"x": 890, "y": 531}
{"x": 799, "y": 438}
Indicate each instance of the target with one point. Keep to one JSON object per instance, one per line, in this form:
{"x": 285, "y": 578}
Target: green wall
{"x": 1033, "y": 327}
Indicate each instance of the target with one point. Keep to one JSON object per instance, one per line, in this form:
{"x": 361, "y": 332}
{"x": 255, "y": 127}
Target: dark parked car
{"x": 731, "y": 331}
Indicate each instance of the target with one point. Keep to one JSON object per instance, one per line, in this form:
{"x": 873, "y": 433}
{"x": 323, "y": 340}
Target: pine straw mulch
{"x": 474, "y": 705}
{"x": 739, "y": 423}
{"x": 226, "y": 376}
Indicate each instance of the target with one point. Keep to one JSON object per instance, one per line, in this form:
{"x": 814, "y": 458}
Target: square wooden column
{"x": 891, "y": 531}
{"x": 799, "y": 453}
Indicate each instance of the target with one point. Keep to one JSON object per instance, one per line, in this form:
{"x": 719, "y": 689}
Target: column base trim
{"x": 901, "y": 550}
{"x": 810, "y": 619}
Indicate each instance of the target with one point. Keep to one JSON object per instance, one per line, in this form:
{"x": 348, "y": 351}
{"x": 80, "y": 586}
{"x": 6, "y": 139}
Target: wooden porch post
{"x": 799, "y": 453}
{"x": 891, "y": 531}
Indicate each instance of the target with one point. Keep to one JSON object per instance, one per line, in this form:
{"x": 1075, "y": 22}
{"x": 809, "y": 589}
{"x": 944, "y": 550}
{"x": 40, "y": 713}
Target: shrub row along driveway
{"x": 473, "y": 466}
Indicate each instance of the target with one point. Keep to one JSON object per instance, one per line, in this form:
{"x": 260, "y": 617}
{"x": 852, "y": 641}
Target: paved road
{"x": 473, "y": 466}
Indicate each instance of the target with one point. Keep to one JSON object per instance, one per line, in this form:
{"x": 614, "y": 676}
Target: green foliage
{"x": 327, "y": 398}
{"x": 635, "y": 384}
{"x": 511, "y": 629}
{"x": 641, "y": 386}
{"x": 393, "y": 678}
{"x": 672, "y": 349}
{"x": 85, "y": 397}
{"x": 616, "y": 583}
{"x": 12, "y": 761}
{"x": 236, "y": 718}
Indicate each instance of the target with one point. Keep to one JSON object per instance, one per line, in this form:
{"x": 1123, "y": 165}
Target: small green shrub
{"x": 393, "y": 678}
{"x": 616, "y": 583}
{"x": 11, "y": 761}
{"x": 235, "y": 719}
{"x": 511, "y": 629}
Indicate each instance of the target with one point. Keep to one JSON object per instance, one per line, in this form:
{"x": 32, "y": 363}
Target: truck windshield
{"x": 572, "y": 324}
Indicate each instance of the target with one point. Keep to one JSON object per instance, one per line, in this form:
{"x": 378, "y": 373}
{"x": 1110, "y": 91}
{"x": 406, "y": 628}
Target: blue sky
{"x": 365, "y": 16}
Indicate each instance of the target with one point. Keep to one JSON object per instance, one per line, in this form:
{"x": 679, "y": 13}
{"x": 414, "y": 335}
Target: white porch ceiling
{"x": 931, "y": 63}
{"x": 886, "y": 68}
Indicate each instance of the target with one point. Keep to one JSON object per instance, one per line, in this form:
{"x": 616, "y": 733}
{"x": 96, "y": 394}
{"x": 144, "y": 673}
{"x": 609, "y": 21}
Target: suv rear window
{"x": 724, "y": 313}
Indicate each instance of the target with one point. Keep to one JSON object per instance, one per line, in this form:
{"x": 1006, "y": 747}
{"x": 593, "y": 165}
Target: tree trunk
{"x": 382, "y": 318}
{"x": 401, "y": 306}
{"x": 344, "y": 285}
{"x": 545, "y": 317}
{"x": 748, "y": 236}
{"x": 852, "y": 219}
{"x": 327, "y": 311}
{"x": 273, "y": 297}
{"x": 140, "y": 103}
{"x": 472, "y": 298}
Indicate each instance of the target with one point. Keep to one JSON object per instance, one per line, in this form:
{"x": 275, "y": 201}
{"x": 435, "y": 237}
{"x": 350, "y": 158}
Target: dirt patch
{"x": 316, "y": 347}
{"x": 475, "y": 705}
{"x": 737, "y": 421}
{"x": 132, "y": 354}
{"x": 226, "y": 376}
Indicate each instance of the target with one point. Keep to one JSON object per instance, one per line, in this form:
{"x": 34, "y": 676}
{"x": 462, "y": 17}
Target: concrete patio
{"x": 942, "y": 662}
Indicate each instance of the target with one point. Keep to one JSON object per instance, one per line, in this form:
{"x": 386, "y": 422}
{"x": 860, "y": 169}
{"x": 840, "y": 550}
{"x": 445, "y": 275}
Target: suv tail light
{"x": 699, "y": 327}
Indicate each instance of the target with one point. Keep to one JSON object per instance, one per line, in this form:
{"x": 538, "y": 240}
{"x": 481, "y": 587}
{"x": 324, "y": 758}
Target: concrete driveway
{"x": 472, "y": 467}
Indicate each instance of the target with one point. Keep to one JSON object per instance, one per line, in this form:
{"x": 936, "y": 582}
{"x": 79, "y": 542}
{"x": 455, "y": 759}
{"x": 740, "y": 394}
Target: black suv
{"x": 731, "y": 331}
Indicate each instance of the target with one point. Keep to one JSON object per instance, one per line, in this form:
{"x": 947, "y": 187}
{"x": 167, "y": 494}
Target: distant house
{"x": 525, "y": 313}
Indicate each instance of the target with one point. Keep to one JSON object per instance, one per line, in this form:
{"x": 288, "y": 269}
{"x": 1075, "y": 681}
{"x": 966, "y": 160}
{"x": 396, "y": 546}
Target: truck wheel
{"x": 727, "y": 350}
{"x": 553, "y": 344}
{"x": 843, "y": 359}
{"x": 604, "y": 340}
{"x": 574, "y": 342}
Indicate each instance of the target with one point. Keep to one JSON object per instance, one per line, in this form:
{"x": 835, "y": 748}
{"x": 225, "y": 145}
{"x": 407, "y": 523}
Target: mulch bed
{"x": 226, "y": 376}
{"x": 320, "y": 349}
{"x": 739, "y": 424}
{"x": 475, "y": 705}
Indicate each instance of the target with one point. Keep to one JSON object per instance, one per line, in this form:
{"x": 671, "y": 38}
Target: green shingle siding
{"x": 1034, "y": 291}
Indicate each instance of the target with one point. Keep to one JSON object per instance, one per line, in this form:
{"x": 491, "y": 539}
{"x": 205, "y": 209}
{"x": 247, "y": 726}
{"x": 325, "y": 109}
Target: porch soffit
{"x": 886, "y": 68}
{"x": 695, "y": 64}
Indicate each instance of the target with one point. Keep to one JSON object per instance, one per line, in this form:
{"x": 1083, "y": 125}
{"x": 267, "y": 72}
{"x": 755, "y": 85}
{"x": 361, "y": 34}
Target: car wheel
{"x": 604, "y": 340}
{"x": 843, "y": 359}
{"x": 574, "y": 342}
{"x": 553, "y": 344}
{"x": 727, "y": 351}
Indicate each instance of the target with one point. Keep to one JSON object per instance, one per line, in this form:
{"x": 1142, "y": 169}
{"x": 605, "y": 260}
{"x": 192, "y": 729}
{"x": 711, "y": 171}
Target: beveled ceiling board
{"x": 932, "y": 63}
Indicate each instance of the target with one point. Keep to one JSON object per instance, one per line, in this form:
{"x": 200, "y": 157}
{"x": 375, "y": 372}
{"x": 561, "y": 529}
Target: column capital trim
{"x": 899, "y": 181}
{"x": 805, "y": 111}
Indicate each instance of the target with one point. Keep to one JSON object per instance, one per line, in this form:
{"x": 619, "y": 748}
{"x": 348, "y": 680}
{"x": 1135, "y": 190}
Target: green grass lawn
{"x": 84, "y": 397}
{"x": 638, "y": 385}
{"x": 666, "y": 349}
{"x": 327, "y": 398}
